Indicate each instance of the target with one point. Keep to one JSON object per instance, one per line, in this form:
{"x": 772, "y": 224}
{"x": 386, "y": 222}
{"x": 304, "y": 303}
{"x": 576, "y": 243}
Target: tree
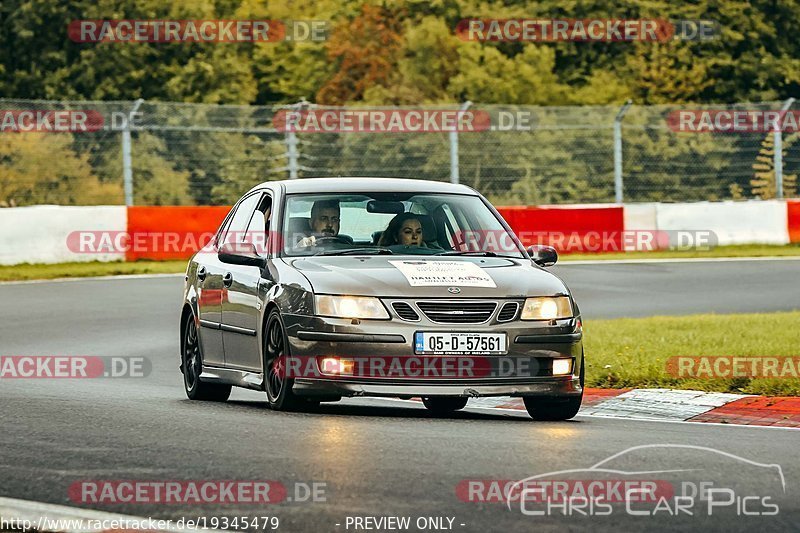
{"x": 763, "y": 184}
{"x": 156, "y": 181}
{"x": 666, "y": 73}
{"x": 42, "y": 168}
{"x": 365, "y": 51}
{"x": 487, "y": 75}
{"x": 251, "y": 159}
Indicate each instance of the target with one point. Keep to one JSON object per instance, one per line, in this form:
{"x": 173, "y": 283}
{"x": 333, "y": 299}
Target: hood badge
{"x": 453, "y": 290}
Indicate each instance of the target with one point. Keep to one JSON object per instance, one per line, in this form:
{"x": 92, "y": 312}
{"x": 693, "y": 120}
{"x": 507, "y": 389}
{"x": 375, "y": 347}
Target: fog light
{"x": 562, "y": 366}
{"x": 337, "y": 367}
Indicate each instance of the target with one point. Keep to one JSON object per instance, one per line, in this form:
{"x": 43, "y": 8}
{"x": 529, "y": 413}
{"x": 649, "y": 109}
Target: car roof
{"x": 345, "y": 184}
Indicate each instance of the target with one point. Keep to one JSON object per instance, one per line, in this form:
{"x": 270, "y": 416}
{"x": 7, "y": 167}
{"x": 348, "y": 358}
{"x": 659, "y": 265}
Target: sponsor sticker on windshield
{"x": 443, "y": 273}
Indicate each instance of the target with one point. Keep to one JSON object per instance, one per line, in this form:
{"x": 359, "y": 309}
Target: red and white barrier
{"x": 39, "y": 234}
{"x": 793, "y": 216}
{"x": 763, "y": 222}
{"x": 569, "y": 228}
{"x": 185, "y": 224}
{"x": 48, "y": 234}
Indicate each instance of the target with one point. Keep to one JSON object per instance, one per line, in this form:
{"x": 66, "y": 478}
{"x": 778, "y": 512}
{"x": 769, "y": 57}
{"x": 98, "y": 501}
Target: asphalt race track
{"x": 376, "y": 457}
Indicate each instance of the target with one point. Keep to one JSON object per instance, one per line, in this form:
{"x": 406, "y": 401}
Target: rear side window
{"x": 258, "y": 231}
{"x": 241, "y": 219}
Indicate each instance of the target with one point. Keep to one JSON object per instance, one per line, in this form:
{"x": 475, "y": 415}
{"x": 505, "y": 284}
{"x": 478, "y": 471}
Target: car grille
{"x": 457, "y": 312}
{"x": 405, "y": 311}
{"x": 508, "y": 312}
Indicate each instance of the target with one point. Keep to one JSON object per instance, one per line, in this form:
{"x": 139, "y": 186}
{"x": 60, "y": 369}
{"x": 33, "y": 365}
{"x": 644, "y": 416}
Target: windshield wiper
{"x": 481, "y": 254}
{"x": 457, "y": 252}
{"x": 356, "y": 251}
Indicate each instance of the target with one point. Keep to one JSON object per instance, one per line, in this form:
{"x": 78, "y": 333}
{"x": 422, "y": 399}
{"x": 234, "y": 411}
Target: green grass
{"x": 741, "y": 250}
{"x": 633, "y": 352}
{"x": 80, "y": 270}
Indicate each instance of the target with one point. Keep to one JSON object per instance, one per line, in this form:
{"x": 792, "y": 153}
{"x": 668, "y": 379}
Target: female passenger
{"x": 404, "y": 229}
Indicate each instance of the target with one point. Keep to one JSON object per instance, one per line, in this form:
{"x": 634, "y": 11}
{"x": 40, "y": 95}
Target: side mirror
{"x": 542, "y": 255}
{"x": 241, "y": 253}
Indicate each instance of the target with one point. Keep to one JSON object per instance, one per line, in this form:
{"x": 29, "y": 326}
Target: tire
{"x": 553, "y": 409}
{"x": 444, "y": 404}
{"x": 277, "y": 386}
{"x": 192, "y": 367}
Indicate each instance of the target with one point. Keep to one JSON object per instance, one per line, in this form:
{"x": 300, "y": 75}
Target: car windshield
{"x": 393, "y": 223}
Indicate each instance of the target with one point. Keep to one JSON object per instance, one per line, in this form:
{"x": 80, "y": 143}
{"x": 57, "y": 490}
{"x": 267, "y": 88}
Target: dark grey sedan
{"x": 321, "y": 288}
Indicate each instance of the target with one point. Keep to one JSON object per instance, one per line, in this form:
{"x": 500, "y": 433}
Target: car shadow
{"x": 409, "y": 411}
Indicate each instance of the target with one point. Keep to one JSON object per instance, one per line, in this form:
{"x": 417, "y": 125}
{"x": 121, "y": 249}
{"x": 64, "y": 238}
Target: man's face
{"x": 326, "y": 221}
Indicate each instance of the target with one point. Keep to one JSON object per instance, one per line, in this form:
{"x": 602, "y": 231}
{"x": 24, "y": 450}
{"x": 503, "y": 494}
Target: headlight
{"x": 350, "y": 307}
{"x": 546, "y": 308}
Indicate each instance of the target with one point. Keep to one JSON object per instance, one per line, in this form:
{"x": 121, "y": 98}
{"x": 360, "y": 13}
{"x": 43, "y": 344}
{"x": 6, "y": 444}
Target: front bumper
{"x": 562, "y": 387}
{"x": 540, "y": 343}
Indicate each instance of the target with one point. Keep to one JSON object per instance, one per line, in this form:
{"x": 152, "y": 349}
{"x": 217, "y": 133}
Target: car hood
{"x": 378, "y": 276}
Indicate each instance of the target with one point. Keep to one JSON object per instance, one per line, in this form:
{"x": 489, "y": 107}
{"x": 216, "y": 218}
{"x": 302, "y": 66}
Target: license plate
{"x": 438, "y": 343}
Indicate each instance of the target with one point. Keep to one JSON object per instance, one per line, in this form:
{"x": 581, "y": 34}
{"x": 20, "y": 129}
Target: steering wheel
{"x": 328, "y": 239}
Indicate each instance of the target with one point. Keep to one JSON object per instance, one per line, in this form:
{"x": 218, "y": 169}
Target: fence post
{"x": 127, "y": 169}
{"x": 618, "y": 151}
{"x": 292, "y": 154}
{"x": 777, "y": 157}
{"x": 454, "y": 177}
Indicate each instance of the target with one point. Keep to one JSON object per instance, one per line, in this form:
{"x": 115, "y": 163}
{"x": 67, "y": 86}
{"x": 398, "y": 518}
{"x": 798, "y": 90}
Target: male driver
{"x": 324, "y": 221}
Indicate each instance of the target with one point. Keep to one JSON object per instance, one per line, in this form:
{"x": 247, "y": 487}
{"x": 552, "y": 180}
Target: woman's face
{"x": 410, "y": 233}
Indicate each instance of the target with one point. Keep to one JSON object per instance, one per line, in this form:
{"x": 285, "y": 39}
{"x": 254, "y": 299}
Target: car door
{"x": 241, "y": 304}
{"x": 209, "y": 301}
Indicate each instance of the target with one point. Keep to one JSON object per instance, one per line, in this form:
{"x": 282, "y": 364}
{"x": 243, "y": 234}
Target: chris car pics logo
{"x": 680, "y": 481}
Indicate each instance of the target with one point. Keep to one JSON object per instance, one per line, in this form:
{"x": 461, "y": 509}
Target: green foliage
{"x": 763, "y": 182}
{"x": 43, "y": 168}
{"x": 155, "y": 180}
{"x": 248, "y": 161}
{"x": 401, "y": 52}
